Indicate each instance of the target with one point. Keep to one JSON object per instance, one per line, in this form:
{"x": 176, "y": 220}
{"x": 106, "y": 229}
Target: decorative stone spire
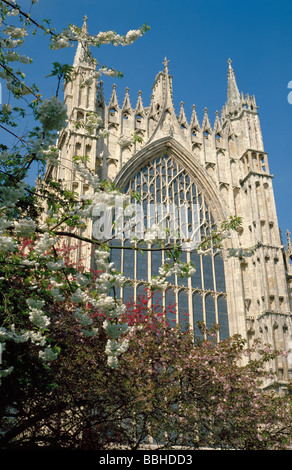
{"x": 233, "y": 96}
{"x": 139, "y": 107}
{"x": 182, "y": 117}
{"x": 206, "y": 126}
{"x": 82, "y": 48}
{"x": 114, "y": 100}
{"x": 194, "y": 120}
{"x": 217, "y": 124}
{"x": 162, "y": 108}
{"x": 168, "y": 104}
{"x": 126, "y": 108}
{"x": 152, "y": 113}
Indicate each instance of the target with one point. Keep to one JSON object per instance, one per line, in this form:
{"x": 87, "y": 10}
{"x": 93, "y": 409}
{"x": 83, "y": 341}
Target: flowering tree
{"x": 168, "y": 390}
{"x": 36, "y": 280}
{"x": 33, "y": 219}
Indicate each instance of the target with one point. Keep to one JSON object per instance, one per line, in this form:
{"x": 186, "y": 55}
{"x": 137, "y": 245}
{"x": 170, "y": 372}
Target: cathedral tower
{"x": 222, "y": 169}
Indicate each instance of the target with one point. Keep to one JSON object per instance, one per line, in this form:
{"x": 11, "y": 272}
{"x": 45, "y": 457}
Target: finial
{"x": 126, "y": 104}
{"x": 230, "y": 71}
{"x": 114, "y": 100}
{"x": 206, "y": 126}
{"x": 139, "y": 106}
{"x": 165, "y": 63}
{"x": 84, "y": 26}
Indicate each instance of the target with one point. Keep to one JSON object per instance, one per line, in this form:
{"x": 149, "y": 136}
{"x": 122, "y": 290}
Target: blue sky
{"x": 198, "y": 37}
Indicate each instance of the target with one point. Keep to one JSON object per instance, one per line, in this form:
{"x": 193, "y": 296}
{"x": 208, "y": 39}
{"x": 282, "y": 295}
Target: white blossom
{"x": 92, "y": 180}
{"x": 108, "y": 280}
{"x": 24, "y": 228}
{"x": 35, "y": 303}
{"x": 44, "y": 244}
{"x": 110, "y": 72}
{"x": 13, "y": 12}
{"x": 93, "y": 121}
{"x": 11, "y": 43}
{"x": 178, "y": 268}
{"x": 30, "y": 263}
{"x": 10, "y": 195}
{"x": 112, "y": 362}
{"x": 14, "y": 32}
{"x": 82, "y": 280}
{"x": 21, "y": 337}
{"x": 38, "y": 318}
{"x": 83, "y": 317}
{"x": 59, "y": 42}
{"x": 55, "y": 266}
{"x": 7, "y": 244}
{"x": 53, "y": 114}
{"x": 158, "y": 283}
{"x": 34, "y": 337}
{"x": 102, "y": 254}
{"x": 79, "y": 296}
{"x": 55, "y": 292}
{"x": 106, "y": 37}
{"x": 132, "y": 36}
{"x": 90, "y": 78}
{"x": 4, "y": 223}
{"x": 11, "y": 56}
{"x": 115, "y": 348}
{"x": 48, "y": 355}
{"x": 108, "y": 304}
{"x": 155, "y": 233}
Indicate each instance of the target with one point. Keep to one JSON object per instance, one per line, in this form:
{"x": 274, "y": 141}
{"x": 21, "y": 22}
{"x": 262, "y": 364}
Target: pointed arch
{"x": 170, "y": 147}
{"x": 165, "y": 173}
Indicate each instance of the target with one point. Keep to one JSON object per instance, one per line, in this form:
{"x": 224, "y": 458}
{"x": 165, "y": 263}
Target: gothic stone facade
{"x": 223, "y": 166}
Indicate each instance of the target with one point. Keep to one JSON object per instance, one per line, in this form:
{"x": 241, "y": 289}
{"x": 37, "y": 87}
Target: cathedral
{"x": 221, "y": 169}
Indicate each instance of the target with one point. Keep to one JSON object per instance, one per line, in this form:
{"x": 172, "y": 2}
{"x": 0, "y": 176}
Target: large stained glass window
{"x": 163, "y": 183}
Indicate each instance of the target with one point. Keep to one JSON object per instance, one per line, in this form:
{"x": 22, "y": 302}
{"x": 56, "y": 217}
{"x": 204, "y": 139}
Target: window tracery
{"x": 163, "y": 183}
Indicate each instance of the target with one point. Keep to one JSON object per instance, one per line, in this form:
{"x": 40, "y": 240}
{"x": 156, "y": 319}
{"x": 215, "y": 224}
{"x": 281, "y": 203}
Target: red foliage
{"x": 147, "y": 312}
